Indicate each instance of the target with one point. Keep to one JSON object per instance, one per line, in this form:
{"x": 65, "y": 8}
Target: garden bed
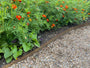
{"x": 47, "y": 37}
{"x": 25, "y": 25}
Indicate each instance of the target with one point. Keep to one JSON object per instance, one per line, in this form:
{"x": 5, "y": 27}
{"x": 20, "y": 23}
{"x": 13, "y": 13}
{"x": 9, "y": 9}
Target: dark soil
{"x": 46, "y": 36}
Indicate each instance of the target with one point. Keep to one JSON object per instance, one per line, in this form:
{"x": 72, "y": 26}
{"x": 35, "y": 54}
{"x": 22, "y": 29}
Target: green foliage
{"x": 20, "y": 22}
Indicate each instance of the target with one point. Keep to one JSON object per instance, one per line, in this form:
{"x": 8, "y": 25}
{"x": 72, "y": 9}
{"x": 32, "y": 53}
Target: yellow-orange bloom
{"x": 30, "y": 19}
{"x": 63, "y": 1}
{"x": 83, "y": 9}
{"x": 28, "y": 15}
{"x": 88, "y": 13}
{"x": 47, "y": 1}
{"x": 7, "y": 7}
{"x": 53, "y": 25}
{"x": 75, "y": 9}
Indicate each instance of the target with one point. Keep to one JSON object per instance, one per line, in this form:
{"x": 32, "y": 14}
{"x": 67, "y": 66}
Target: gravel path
{"x": 72, "y": 50}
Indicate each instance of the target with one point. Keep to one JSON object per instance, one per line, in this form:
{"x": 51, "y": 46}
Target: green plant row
{"x": 22, "y": 20}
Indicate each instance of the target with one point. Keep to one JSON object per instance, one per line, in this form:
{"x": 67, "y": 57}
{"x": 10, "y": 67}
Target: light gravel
{"x": 72, "y": 50}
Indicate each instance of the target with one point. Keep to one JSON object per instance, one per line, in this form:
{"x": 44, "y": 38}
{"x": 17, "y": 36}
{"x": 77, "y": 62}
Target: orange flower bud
{"x": 53, "y": 25}
{"x": 64, "y": 9}
{"x": 75, "y": 9}
{"x": 61, "y": 5}
{"x": 83, "y": 9}
{"x": 44, "y": 16}
{"x": 47, "y": 1}
{"x": 88, "y": 13}
{"x": 63, "y": 1}
{"x": 28, "y": 12}
{"x": 47, "y": 20}
{"x": 27, "y": 24}
{"x": 66, "y": 6}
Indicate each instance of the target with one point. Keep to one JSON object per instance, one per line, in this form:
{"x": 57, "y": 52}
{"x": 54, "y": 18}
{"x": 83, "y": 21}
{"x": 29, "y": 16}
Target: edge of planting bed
{"x": 45, "y": 44}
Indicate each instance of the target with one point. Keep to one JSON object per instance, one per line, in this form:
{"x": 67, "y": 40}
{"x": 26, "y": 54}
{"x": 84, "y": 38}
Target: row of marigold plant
{"x": 22, "y": 20}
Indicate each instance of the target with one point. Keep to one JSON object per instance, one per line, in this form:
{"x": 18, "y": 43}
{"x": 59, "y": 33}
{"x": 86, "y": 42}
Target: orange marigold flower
{"x": 28, "y": 12}
{"x": 64, "y": 9}
{"x": 83, "y": 9}
{"x": 20, "y": 0}
{"x": 63, "y": 16}
{"x": 28, "y": 15}
{"x": 47, "y": 1}
{"x": 75, "y": 9}
{"x": 44, "y": 16}
{"x": 14, "y": 0}
{"x": 30, "y": 19}
{"x": 66, "y": 6}
{"x": 56, "y": 19}
{"x": 18, "y": 17}
{"x": 23, "y": 17}
{"x": 63, "y": 1}
{"x": 53, "y": 25}
{"x": 14, "y": 6}
{"x": 47, "y": 20}
{"x": 27, "y": 24}
{"x": 88, "y": 13}
{"x": 61, "y": 5}
{"x": 13, "y": 27}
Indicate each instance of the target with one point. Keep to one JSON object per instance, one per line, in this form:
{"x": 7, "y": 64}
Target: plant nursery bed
{"x": 45, "y": 38}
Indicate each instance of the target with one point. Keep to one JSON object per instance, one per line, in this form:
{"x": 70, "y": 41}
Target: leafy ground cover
{"x": 22, "y": 20}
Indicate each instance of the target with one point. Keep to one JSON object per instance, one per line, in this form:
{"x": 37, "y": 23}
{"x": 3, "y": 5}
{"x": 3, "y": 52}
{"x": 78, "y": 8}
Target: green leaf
{"x": 1, "y": 51}
{"x": 4, "y": 45}
{"x": 37, "y": 44}
{"x": 70, "y": 20}
{"x": 7, "y": 53}
{"x": 15, "y": 52}
{"x": 9, "y": 59}
{"x": 18, "y": 53}
{"x": 26, "y": 47}
{"x": 33, "y": 36}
